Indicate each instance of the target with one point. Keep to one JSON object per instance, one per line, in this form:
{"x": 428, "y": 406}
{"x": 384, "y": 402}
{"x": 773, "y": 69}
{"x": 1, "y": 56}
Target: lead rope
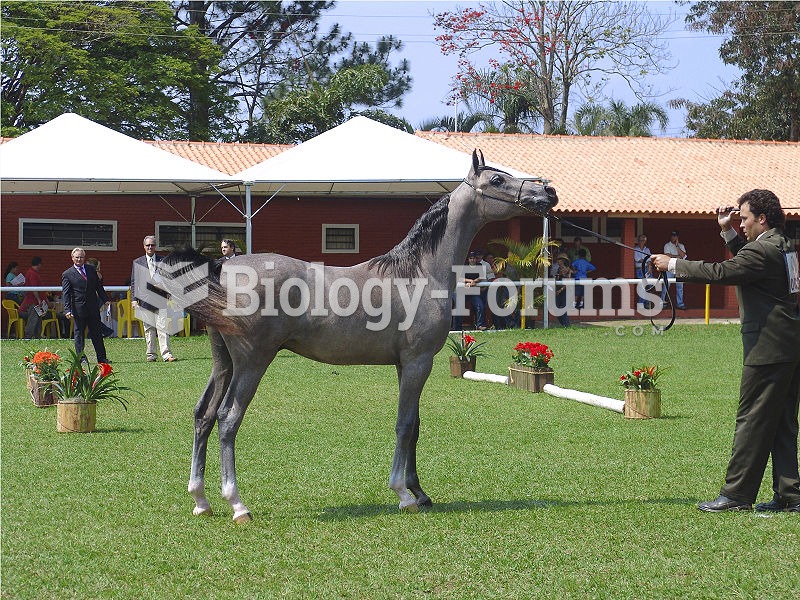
{"x": 647, "y": 288}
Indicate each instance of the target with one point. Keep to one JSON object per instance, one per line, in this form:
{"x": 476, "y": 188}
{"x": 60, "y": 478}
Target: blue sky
{"x": 698, "y": 75}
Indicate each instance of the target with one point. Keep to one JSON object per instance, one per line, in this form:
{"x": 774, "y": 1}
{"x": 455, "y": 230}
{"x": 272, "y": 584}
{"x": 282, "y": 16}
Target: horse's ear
{"x": 477, "y": 160}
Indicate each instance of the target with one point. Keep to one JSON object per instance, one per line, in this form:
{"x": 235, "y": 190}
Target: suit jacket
{"x": 769, "y": 313}
{"x": 82, "y": 297}
{"x": 141, "y": 262}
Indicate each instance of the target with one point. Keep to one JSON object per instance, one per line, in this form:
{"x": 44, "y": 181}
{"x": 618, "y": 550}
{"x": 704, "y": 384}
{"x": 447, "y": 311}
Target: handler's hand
{"x": 661, "y": 261}
{"x": 724, "y": 216}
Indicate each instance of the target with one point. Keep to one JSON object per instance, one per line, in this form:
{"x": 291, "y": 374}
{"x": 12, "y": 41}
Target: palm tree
{"x": 618, "y": 119}
{"x": 523, "y": 261}
{"x": 463, "y": 122}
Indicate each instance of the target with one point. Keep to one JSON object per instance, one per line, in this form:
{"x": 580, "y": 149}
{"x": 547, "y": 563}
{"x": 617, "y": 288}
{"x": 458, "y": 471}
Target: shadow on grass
{"x": 356, "y": 511}
{"x": 119, "y": 430}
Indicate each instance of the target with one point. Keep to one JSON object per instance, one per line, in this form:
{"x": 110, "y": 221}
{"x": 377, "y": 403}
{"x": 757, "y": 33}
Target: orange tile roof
{"x": 623, "y": 175}
{"x": 226, "y": 157}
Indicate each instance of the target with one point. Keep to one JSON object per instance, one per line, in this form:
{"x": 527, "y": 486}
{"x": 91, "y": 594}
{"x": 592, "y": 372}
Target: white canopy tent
{"x": 73, "y": 155}
{"x": 360, "y": 157}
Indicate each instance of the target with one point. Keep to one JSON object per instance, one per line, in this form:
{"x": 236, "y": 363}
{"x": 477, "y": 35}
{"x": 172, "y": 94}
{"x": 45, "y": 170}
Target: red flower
{"x": 468, "y": 339}
{"x": 105, "y": 369}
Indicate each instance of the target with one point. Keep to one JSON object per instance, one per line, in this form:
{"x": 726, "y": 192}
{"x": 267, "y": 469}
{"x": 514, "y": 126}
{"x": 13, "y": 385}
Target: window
{"x": 339, "y": 239}
{"x": 64, "y": 234}
{"x": 568, "y": 233}
{"x": 614, "y": 228}
{"x": 207, "y": 235}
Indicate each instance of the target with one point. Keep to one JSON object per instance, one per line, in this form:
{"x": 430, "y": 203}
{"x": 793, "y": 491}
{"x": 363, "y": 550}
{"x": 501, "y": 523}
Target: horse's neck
{"x": 463, "y": 223}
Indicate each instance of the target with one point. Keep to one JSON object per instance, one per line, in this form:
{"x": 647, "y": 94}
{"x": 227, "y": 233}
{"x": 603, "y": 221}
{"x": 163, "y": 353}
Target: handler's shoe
{"x": 724, "y": 504}
{"x": 778, "y": 505}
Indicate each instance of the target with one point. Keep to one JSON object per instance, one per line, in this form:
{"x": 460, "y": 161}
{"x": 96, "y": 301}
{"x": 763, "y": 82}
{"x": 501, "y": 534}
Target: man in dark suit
{"x": 766, "y": 422}
{"x": 83, "y": 295}
{"x": 154, "y": 325}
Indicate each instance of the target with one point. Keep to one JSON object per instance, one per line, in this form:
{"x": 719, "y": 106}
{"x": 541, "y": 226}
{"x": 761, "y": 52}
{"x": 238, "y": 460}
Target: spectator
{"x": 105, "y": 313}
{"x": 32, "y": 300}
{"x": 564, "y": 271}
{"x": 674, "y": 249}
{"x": 145, "y": 265}
{"x": 574, "y": 253}
{"x": 473, "y": 274}
{"x": 488, "y": 269}
{"x": 12, "y": 272}
{"x": 83, "y": 296}
{"x": 228, "y": 249}
{"x": 582, "y": 268}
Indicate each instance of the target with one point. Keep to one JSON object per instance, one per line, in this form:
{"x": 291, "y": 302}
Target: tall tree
{"x": 271, "y": 49}
{"x": 764, "y": 42}
{"x": 119, "y": 63}
{"x": 560, "y": 45}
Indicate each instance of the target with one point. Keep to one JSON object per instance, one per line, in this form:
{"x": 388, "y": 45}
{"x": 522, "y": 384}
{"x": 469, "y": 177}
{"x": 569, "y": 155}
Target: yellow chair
{"x": 51, "y": 320}
{"x": 127, "y": 319}
{"x": 187, "y": 326}
{"x": 14, "y": 320}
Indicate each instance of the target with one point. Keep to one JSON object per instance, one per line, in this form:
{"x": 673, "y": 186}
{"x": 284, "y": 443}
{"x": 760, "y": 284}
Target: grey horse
{"x": 391, "y": 310}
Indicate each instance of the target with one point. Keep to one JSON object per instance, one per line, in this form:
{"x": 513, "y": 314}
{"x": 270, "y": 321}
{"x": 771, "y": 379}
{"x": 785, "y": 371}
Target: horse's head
{"x": 493, "y": 184}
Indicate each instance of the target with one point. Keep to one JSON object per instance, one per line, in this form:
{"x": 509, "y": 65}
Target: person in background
{"x": 83, "y": 295}
{"x": 488, "y": 269}
{"x": 107, "y": 331}
{"x": 675, "y": 249}
{"x": 641, "y": 262}
{"x": 582, "y": 268}
{"x": 564, "y": 271}
{"x": 228, "y": 249}
{"x": 152, "y": 333}
{"x": 27, "y": 310}
{"x": 12, "y": 271}
{"x": 574, "y": 253}
{"x": 769, "y": 392}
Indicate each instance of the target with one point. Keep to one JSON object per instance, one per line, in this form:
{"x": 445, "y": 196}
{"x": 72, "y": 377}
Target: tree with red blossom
{"x": 545, "y": 51}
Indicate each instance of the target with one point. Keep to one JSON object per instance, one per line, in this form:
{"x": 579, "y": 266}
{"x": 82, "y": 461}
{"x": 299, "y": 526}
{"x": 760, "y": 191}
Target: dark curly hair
{"x": 765, "y": 202}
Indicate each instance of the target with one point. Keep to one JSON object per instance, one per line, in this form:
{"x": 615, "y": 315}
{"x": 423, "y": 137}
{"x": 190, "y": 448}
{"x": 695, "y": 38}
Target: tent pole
{"x": 248, "y": 216}
{"x": 546, "y": 239}
{"x": 193, "y": 224}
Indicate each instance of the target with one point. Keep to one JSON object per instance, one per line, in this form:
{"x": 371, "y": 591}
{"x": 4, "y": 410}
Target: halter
{"x": 518, "y": 200}
{"x": 647, "y": 288}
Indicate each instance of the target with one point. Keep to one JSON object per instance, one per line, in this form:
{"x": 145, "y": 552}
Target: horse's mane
{"x": 404, "y": 259}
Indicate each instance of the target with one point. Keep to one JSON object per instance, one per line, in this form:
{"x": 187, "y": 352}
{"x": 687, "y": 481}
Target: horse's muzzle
{"x": 551, "y": 195}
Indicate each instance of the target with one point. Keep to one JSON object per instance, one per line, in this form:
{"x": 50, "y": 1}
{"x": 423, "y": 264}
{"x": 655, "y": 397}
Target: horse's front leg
{"x": 241, "y": 390}
{"x": 404, "y": 476}
{"x": 205, "y": 415}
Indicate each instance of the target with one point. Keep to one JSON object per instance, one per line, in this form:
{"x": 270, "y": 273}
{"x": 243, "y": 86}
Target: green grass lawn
{"x": 534, "y": 496}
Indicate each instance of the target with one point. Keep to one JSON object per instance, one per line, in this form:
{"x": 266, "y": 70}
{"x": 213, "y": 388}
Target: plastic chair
{"x": 14, "y": 320}
{"x": 51, "y": 320}
{"x": 187, "y": 326}
{"x": 126, "y": 319}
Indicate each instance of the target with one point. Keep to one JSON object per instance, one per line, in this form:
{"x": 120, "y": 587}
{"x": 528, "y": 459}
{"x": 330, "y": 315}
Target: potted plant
{"x": 466, "y": 350}
{"x": 79, "y": 390}
{"x": 642, "y": 397}
{"x": 42, "y": 369}
{"x": 531, "y": 366}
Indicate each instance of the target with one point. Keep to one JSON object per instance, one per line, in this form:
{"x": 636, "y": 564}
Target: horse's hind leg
{"x": 241, "y": 390}
{"x": 404, "y": 466}
{"x": 205, "y": 415}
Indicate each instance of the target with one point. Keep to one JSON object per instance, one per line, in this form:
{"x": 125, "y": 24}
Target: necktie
{"x": 151, "y": 264}
{"x": 82, "y": 271}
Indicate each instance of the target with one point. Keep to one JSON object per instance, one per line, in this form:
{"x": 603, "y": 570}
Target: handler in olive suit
{"x": 766, "y": 422}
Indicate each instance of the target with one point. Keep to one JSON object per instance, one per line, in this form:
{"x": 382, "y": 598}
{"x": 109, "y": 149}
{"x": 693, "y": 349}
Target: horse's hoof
{"x": 202, "y": 512}
{"x": 409, "y": 506}
{"x": 243, "y": 517}
{"x": 426, "y": 503}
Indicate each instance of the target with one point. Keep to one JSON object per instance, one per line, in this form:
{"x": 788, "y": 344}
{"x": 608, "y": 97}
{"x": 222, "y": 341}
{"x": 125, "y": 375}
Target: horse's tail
{"x": 192, "y": 281}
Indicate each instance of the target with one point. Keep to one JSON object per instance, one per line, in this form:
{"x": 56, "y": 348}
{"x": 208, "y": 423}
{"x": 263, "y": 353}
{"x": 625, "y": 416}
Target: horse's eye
{"x": 496, "y": 179}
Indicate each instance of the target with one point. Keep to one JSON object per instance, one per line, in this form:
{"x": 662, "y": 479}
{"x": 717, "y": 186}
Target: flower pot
{"x": 459, "y": 367}
{"x": 75, "y": 415}
{"x": 29, "y": 378}
{"x": 642, "y": 404}
{"x": 42, "y": 393}
{"x": 529, "y": 378}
